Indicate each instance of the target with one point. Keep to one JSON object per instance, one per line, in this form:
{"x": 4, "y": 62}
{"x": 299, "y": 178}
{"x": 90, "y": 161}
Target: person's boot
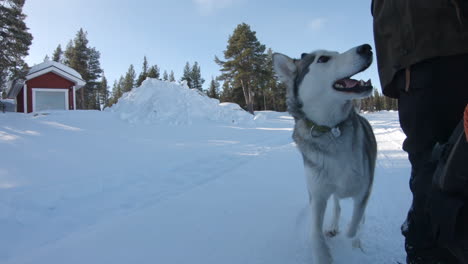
{"x": 429, "y": 256}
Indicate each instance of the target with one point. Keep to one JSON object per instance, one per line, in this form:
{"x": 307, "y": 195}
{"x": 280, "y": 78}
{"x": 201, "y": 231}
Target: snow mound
{"x": 158, "y": 101}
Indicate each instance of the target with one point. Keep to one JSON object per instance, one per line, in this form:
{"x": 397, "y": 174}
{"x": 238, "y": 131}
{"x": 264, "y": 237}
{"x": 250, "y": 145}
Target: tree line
{"x": 246, "y": 69}
{"x": 378, "y": 102}
{"x": 128, "y": 81}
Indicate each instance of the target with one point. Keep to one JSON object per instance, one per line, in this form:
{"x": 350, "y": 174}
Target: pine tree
{"x": 68, "y": 53}
{"x": 120, "y": 86}
{"x": 272, "y": 91}
{"x": 264, "y": 81}
{"x": 364, "y": 104}
{"x": 378, "y": 101}
{"x": 371, "y": 103}
{"x": 103, "y": 92}
{"x": 58, "y": 54}
{"x": 394, "y": 104}
{"x": 187, "y": 75}
{"x": 390, "y": 103}
{"x": 385, "y": 102}
{"x": 85, "y": 61}
{"x": 94, "y": 65}
{"x": 367, "y": 104}
{"x": 280, "y": 97}
{"x": 116, "y": 91}
{"x": 14, "y": 40}
{"x": 165, "y": 76}
{"x": 153, "y": 72}
{"x": 144, "y": 72}
{"x": 272, "y": 94}
{"x": 129, "y": 79}
{"x": 213, "y": 91}
{"x": 92, "y": 102}
{"x": 172, "y": 77}
{"x": 226, "y": 94}
{"x": 94, "y": 73}
{"x": 46, "y": 58}
{"x": 77, "y": 57}
{"x": 195, "y": 77}
{"x": 245, "y": 56}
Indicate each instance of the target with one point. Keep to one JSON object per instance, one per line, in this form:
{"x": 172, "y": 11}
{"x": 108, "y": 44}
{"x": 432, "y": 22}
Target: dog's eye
{"x": 323, "y": 59}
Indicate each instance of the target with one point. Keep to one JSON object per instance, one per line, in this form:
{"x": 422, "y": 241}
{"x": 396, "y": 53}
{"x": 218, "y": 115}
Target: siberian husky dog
{"x": 337, "y": 144}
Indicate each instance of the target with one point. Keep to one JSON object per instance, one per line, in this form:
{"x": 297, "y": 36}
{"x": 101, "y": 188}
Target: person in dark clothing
{"x": 422, "y": 57}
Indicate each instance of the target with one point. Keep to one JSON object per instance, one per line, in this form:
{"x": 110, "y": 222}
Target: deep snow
{"x": 126, "y": 186}
{"x": 170, "y": 103}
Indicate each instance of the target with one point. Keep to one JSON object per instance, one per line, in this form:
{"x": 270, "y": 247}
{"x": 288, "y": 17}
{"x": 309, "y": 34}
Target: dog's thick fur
{"x": 337, "y": 144}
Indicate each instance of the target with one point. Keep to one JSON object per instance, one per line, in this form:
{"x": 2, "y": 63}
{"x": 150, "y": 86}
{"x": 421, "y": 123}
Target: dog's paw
{"x": 323, "y": 258}
{"x": 356, "y": 243}
{"x": 332, "y": 232}
{"x": 320, "y": 250}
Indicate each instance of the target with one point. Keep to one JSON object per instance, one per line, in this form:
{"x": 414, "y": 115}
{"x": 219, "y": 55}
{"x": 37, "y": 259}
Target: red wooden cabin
{"x": 48, "y": 86}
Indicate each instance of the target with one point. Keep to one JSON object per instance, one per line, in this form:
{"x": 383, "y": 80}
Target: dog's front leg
{"x": 358, "y": 215}
{"x": 334, "y": 227}
{"x": 320, "y": 250}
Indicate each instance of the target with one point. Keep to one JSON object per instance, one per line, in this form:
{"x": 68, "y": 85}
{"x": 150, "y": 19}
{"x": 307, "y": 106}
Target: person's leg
{"x": 428, "y": 113}
{"x": 460, "y": 246}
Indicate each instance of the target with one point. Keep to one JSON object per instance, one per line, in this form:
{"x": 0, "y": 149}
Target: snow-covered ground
{"x": 124, "y": 186}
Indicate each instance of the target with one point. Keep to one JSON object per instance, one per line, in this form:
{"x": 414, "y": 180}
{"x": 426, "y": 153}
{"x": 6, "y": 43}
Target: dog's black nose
{"x": 365, "y": 49}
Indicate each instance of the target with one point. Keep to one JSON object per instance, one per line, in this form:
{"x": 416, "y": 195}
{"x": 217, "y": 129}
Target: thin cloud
{"x": 207, "y": 7}
{"x": 317, "y": 24}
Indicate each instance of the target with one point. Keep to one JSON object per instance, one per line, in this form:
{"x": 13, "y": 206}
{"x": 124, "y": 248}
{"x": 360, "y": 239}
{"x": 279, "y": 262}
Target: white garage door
{"x": 50, "y": 99}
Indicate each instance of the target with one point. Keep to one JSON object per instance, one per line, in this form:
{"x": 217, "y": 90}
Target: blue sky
{"x": 170, "y": 33}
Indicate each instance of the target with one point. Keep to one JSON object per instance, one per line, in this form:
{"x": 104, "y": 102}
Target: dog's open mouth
{"x": 352, "y": 86}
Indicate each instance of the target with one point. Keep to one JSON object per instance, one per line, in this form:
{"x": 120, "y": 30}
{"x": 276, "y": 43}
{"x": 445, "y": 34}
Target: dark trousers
{"x": 429, "y": 111}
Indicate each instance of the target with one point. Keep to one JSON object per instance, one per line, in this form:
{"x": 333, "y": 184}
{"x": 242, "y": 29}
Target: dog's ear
{"x": 284, "y": 67}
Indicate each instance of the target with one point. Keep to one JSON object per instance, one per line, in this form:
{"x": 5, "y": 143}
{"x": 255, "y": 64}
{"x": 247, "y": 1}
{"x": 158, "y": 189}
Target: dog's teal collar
{"x": 317, "y": 130}
{"x": 313, "y": 126}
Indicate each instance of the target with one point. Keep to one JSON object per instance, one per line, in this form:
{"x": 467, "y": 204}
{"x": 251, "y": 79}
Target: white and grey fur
{"x": 341, "y": 164}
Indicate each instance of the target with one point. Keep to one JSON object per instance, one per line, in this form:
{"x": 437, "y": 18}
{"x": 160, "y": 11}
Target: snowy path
{"x": 177, "y": 194}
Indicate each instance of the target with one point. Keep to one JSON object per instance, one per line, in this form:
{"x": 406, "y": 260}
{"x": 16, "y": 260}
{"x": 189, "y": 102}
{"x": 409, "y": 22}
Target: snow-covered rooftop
{"x": 57, "y": 68}
{"x": 47, "y": 64}
{"x": 66, "y": 72}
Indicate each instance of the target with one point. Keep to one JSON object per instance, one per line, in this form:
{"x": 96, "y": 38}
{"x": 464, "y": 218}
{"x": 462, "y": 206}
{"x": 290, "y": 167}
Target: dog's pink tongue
{"x": 350, "y": 83}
